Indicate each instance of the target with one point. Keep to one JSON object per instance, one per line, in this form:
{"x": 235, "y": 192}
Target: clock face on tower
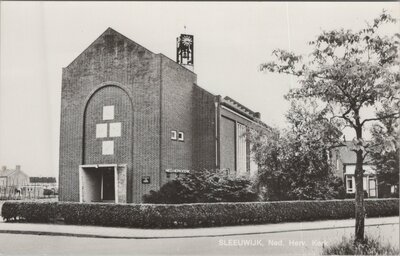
{"x": 186, "y": 40}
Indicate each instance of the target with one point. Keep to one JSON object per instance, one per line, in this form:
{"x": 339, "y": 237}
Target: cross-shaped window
{"x": 108, "y": 130}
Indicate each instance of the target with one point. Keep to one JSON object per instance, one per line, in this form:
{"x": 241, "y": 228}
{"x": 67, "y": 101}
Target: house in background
{"x": 12, "y": 181}
{"x": 39, "y": 187}
{"x": 344, "y": 161}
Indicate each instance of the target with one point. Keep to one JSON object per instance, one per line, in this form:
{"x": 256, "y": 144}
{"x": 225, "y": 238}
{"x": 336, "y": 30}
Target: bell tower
{"x": 185, "y": 51}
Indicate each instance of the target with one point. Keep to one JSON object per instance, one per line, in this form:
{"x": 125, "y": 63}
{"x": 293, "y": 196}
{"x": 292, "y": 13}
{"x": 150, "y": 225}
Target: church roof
{"x": 109, "y": 31}
{"x": 227, "y": 101}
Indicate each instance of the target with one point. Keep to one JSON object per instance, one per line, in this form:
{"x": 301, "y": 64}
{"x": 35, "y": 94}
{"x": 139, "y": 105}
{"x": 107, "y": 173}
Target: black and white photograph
{"x": 199, "y": 128}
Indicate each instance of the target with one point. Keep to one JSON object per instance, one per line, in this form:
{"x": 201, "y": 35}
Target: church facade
{"x": 131, "y": 120}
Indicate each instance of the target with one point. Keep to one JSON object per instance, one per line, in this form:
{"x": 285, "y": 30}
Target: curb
{"x": 49, "y": 233}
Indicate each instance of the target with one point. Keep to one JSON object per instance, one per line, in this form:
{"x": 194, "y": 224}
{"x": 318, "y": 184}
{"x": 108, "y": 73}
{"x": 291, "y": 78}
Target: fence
{"x": 26, "y": 192}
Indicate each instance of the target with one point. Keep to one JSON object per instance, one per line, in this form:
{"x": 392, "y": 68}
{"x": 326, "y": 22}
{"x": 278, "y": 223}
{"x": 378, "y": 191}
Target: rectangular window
{"x": 101, "y": 130}
{"x": 349, "y": 184}
{"x": 181, "y": 136}
{"x": 108, "y": 112}
{"x": 365, "y": 183}
{"x": 108, "y": 147}
{"x": 115, "y": 129}
{"x": 372, "y": 188}
{"x": 173, "y": 135}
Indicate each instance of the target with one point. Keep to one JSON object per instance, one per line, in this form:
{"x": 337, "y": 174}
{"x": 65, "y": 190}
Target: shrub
{"x": 370, "y": 246}
{"x": 353, "y": 195}
{"x": 338, "y": 188}
{"x": 192, "y": 215}
{"x": 30, "y": 211}
{"x": 173, "y": 192}
{"x": 203, "y": 187}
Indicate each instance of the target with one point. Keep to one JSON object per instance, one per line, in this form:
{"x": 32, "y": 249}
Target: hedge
{"x": 192, "y": 215}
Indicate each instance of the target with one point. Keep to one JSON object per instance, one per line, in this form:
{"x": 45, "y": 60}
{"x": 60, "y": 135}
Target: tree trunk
{"x": 359, "y": 199}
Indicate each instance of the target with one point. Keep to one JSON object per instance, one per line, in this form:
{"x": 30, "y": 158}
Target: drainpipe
{"x": 217, "y": 132}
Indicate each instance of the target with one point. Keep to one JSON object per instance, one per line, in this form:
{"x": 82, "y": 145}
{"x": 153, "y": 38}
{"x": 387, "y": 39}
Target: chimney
{"x": 18, "y": 167}
{"x": 257, "y": 115}
{"x": 3, "y": 168}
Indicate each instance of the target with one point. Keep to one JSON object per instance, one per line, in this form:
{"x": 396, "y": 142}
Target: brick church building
{"x": 131, "y": 120}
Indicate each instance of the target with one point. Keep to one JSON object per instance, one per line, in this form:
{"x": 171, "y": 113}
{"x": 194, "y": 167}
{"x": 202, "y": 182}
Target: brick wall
{"x": 122, "y": 184}
{"x": 91, "y": 181}
{"x": 112, "y": 59}
{"x": 204, "y": 130}
{"x": 177, "y": 111}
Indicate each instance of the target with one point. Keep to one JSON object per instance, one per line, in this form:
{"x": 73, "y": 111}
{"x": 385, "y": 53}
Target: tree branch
{"x": 372, "y": 147}
{"x": 350, "y": 122}
{"x": 381, "y": 118}
{"x": 344, "y": 114}
{"x": 365, "y": 155}
{"x": 352, "y": 100}
{"x": 263, "y": 68}
{"x": 337, "y": 146}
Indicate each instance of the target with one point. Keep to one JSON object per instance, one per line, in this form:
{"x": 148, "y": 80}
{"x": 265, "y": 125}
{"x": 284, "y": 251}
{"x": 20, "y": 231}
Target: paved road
{"x": 293, "y": 242}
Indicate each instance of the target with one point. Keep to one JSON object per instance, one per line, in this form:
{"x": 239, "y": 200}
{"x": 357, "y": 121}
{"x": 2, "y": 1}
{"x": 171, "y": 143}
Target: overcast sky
{"x": 231, "y": 40}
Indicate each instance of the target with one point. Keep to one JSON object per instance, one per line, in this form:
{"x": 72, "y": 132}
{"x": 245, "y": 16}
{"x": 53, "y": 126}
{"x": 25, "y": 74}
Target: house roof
{"x": 6, "y": 172}
{"x": 10, "y": 172}
{"x": 351, "y": 169}
{"x": 239, "y": 108}
{"x": 347, "y": 156}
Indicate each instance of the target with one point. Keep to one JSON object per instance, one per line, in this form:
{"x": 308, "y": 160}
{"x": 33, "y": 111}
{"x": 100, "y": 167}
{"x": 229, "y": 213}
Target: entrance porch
{"x": 102, "y": 183}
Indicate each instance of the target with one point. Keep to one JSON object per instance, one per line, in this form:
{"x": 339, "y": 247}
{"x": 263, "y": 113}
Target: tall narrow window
{"x": 365, "y": 184}
{"x": 173, "y": 135}
{"x": 349, "y": 184}
{"x": 181, "y": 136}
{"x": 241, "y": 149}
{"x": 372, "y": 188}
